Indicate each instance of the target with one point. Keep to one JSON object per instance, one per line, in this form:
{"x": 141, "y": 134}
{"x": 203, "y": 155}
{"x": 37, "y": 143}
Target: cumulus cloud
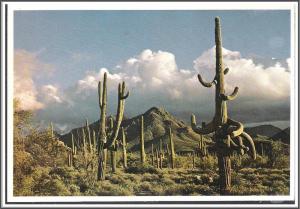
{"x": 50, "y": 94}
{"x": 254, "y": 80}
{"x": 26, "y": 66}
{"x": 154, "y": 79}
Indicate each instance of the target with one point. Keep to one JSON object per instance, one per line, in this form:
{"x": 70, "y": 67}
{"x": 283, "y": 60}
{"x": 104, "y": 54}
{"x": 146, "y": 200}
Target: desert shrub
{"x": 277, "y": 157}
{"x": 279, "y": 188}
{"x": 116, "y": 179}
{"x": 209, "y": 162}
{"x": 46, "y": 185}
{"x": 141, "y": 169}
{"x": 150, "y": 177}
{"x": 105, "y": 188}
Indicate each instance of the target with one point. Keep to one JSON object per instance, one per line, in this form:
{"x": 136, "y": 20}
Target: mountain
{"x": 264, "y": 130}
{"x": 283, "y": 136}
{"x": 156, "y": 123}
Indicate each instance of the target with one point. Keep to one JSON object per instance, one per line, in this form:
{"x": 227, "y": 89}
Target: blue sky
{"x": 152, "y": 51}
{"x": 105, "y": 38}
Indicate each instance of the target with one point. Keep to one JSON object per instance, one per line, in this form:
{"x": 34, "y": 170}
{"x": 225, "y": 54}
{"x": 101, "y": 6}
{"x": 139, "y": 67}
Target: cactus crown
{"x": 223, "y": 126}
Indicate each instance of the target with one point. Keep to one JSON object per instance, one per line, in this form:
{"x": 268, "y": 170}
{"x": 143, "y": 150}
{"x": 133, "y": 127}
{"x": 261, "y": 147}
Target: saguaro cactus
{"x": 105, "y": 142}
{"x": 88, "y": 135}
{"x": 113, "y": 148}
{"x": 229, "y": 134}
{"x": 172, "y": 154}
{"x": 142, "y": 145}
{"x": 152, "y": 155}
{"x": 157, "y": 158}
{"x": 124, "y": 146}
{"x": 94, "y": 141}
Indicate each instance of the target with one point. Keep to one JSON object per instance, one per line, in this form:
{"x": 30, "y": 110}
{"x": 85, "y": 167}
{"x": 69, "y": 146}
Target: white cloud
{"x": 50, "y": 94}
{"x": 154, "y": 79}
{"x": 26, "y": 66}
{"x": 254, "y": 80}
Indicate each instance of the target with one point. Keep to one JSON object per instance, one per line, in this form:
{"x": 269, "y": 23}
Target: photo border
{"x": 141, "y": 203}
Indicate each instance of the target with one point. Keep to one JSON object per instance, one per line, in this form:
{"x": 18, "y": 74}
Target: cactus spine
{"x": 172, "y": 154}
{"x": 103, "y": 141}
{"x": 142, "y": 145}
{"x": 124, "y": 146}
{"x": 228, "y": 133}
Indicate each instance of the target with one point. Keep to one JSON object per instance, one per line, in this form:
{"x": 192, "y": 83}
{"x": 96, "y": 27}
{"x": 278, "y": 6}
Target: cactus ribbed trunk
{"x": 160, "y": 160}
{"x": 104, "y": 141}
{"x": 142, "y": 145}
{"x": 113, "y": 159}
{"x": 73, "y": 144}
{"x": 102, "y": 151}
{"x": 152, "y": 155}
{"x": 94, "y": 141}
{"x": 224, "y": 164}
{"x": 113, "y": 149}
{"x": 172, "y": 154}
{"x": 84, "y": 146}
{"x": 124, "y": 145}
{"x": 157, "y": 158}
{"x": 88, "y": 135}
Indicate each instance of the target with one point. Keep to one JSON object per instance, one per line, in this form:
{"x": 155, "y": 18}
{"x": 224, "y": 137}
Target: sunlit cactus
{"x": 152, "y": 155}
{"x": 142, "y": 142}
{"x": 124, "y": 147}
{"x": 105, "y": 141}
{"x": 88, "y": 133}
{"x": 229, "y": 134}
{"x": 172, "y": 154}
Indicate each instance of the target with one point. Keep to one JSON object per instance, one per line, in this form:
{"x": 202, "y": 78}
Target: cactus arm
{"x": 123, "y": 95}
{"x": 100, "y": 94}
{"x": 119, "y": 117}
{"x": 226, "y": 71}
{"x": 205, "y": 84}
{"x": 231, "y": 96}
{"x": 241, "y": 144}
{"x": 209, "y": 128}
{"x": 231, "y": 142}
{"x": 252, "y": 146}
{"x": 239, "y": 128}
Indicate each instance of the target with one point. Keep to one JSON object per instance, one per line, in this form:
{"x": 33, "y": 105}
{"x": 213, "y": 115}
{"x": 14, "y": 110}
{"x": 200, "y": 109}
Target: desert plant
{"x": 142, "y": 145}
{"x": 113, "y": 149}
{"x": 229, "y": 134}
{"x": 105, "y": 142}
{"x": 124, "y": 146}
{"x": 172, "y": 154}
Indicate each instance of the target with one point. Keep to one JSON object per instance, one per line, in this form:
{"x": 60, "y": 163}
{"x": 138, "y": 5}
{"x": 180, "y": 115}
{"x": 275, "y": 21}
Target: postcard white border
{"x": 14, "y": 6}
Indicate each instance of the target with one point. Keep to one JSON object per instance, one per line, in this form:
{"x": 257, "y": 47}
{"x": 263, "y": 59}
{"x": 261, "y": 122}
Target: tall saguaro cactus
{"x": 124, "y": 146}
{"x": 172, "y": 154}
{"x": 229, "y": 134}
{"x": 113, "y": 149}
{"x": 142, "y": 145}
{"x": 105, "y": 141}
{"x": 88, "y": 135}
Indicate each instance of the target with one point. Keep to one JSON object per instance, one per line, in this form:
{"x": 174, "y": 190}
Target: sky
{"x": 59, "y": 56}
